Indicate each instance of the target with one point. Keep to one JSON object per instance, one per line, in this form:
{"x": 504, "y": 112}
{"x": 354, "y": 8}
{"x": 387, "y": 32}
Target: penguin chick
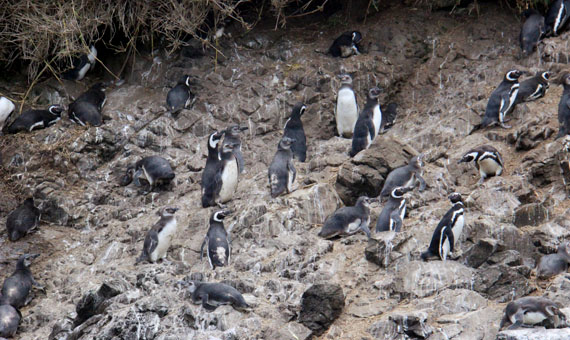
{"x": 487, "y": 160}
{"x": 532, "y": 31}
{"x": 282, "y": 172}
{"x": 533, "y": 88}
{"x": 16, "y": 288}
{"x": 159, "y": 237}
{"x": 217, "y": 241}
{"x": 156, "y": 171}
{"x": 448, "y": 230}
{"x": 232, "y": 135}
{"x": 22, "y": 220}
{"x": 10, "y": 318}
{"x": 213, "y": 295}
{"x": 564, "y": 108}
{"x": 368, "y": 124}
{"x": 35, "y": 119}
{"x": 392, "y": 215}
{"x": 294, "y": 130}
{"x": 346, "y": 112}
{"x": 405, "y": 176}
{"x": 346, "y": 45}
{"x": 349, "y": 220}
{"x": 531, "y": 310}
{"x": 180, "y": 96}
{"x": 554, "y": 264}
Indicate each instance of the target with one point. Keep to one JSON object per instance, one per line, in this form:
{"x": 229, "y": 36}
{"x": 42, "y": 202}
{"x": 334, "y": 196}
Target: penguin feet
{"x": 505, "y": 126}
{"x": 480, "y": 182}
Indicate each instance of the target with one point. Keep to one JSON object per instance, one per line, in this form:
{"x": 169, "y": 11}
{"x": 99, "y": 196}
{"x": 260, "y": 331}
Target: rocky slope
{"x": 439, "y": 69}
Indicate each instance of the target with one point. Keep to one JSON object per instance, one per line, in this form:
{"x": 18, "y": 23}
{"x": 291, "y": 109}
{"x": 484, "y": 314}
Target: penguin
{"x": 294, "y": 130}
{"x": 554, "y": 264}
{"x": 217, "y": 241}
{"x": 346, "y": 45}
{"x": 532, "y": 31}
{"x": 501, "y": 101}
{"x": 448, "y": 230}
{"x": 22, "y": 220}
{"x": 533, "y": 88}
{"x": 10, "y": 318}
{"x": 81, "y": 65}
{"x": 180, "y": 97}
{"x": 349, "y": 220}
{"x": 556, "y": 17}
{"x": 212, "y": 295}
{"x": 564, "y": 107}
{"x": 368, "y": 123}
{"x": 405, "y": 176}
{"x": 86, "y": 109}
{"x": 531, "y": 310}
{"x": 219, "y": 182}
{"x": 158, "y": 238}
{"x": 231, "y": 135}
{"x": 209, "y": 172}
{"x": 156, "y": 171}
{"x": 392, "y": 215}
{"x": 35, "y": 119}
{"x": 16, "y": 288}
{"x": 487, "y": 160}
{"x": 346, "y": 107}
{"x": 6, "y": 108}
{"x": 282, "y": 172}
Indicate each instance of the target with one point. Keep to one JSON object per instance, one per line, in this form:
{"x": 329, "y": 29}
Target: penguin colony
{"x": 225, "y": 163}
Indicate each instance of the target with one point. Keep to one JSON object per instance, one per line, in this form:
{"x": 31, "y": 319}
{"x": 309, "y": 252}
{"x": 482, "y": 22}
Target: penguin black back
{"x": 346, "y": 44}
{"x": 364, "y": 129}
{"x": 532, "y": 31}
{"x": 533, "y": 88}
{"x": 35, "y": 119}
{"x": 9, "y": 320}
{"x": 294, "y": 130}
{"x": 179, "y": 97}
{"x": 556, "y": 17}
{"x": 17, "y": 287}
{"x": 22, "y": 220}
{"x": 564, "y": 107}
{"x": 86, "y": 109}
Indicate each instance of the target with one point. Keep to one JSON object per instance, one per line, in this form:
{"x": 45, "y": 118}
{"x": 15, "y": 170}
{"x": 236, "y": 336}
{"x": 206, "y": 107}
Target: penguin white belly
{"x": 353, "y": 226}
{"x": 346, "y": 112}
{"x": 148, "y": 178}
{"x": 377, "y": 119}
{"x": 229, "y": 181}
{"x": 402, "y": 209}
{"x": 290, "y": 181}
{"x": 83, "y": 71}
{"x": 221, "y": 253}
{"x": 533, "y": 318}
{"x": 490, "y": 167}
{"x": 164, "y": 238}
{"x": 6, "y": 107}
{"x": 444, "y": 245}
{"x": 458, "y": 229}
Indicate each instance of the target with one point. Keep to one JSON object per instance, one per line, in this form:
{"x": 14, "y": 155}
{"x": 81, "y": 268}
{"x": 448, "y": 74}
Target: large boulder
{"x": 539, "y": 333}
{"x": 321, "y": 304}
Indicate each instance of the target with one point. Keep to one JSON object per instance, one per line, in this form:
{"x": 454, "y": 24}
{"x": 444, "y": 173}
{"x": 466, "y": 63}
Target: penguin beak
{"x": 374, "y": 200}
{"x": 175, "y": 209}
{"x": 243, "y": 128}
{"x": 33, "y": 256}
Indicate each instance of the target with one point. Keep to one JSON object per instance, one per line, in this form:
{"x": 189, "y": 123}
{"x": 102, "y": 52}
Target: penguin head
{"x": 167, "y": 211}
{"x": 193, "y": 285}
{"x": 513, "y": 75}
{"x": 468, "y": 157}
{"x": 399, "y": 192}
{"x": 29, "y": 202}
{"x": 455, "y": 197}
{"x": 214, "y": 139}
{"x": 98, "y": 87}
{"x": 356, "y": 37}
{"x": 345, "y": 79}
{"x": 286, "y": 142}
{"x": 186, "y": 80}
{"x": 417, "y": 161}
{"x": 564, "y": 250}
{"x": 545, "y": 76}
{"x": 55, "y": 110}
{"x": 228, "y": 147}
{"x": 374, "y": 92}
{"x": 235, "y": 130}
{"x": 365, "y": 200}
{"x": 26, "y": 260}
{"x": 219, "y": 215}
{"x": 298, "y": 110}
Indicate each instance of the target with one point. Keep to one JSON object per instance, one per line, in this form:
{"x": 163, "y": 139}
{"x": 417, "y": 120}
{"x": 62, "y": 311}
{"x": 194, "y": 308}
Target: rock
{"x": 480, "y": 252}
{"x": 537, "y": 333}
{"x": 496, "y": 282}
{"x": 558, "y": 290}
{"x": 452, "y": 301}
{"x": 413, "y": 324}
{"x": 480, "y": 324}
{"x": 291, "y": 331}
{"x": 530, "y": 214}
{"x": 321, "y": 304}
{"x": 314, "y": 204}
{"x": 509, "y": 257}
{"x": 548, "y": 236}
{"x": 92, "y": 303}
{"x": 383, "y": 248}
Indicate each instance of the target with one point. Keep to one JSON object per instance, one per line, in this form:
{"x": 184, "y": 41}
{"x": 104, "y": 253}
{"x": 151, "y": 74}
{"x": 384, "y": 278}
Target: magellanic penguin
{"x": 156, "y": 171}
{"x": 501, "y": 101}
{"x": 564, "y": 107}
{"x": 533, "y": 88}
{"x": 448, "y": 231}
{"x": 209, "y": 172}
{"x": 487, "y": 160}
{"x": 220, "y": 181}
{"x": 346, "y": 112}
{"x": 22, "y": 220}
{"x": 346, "y": 45}
{"x": 368, "y": 124}
{"x": 349, "y": 220}
{"x": 16, "y": 288}
{"x": 532, "y": 31}
{"x": 557, "y": 16}
{"x": 282, "y": 171}
{"x": 405, "y": 176}
{"x": 9, "y": 320}
{"x": 86, "y": 109}
{"x": 217, "y": 241}
{"x": 231, "y": 135}
{"x": 81, "y": 65}
{"x": 531, "y": 310}
{"x": 6, "y": 108}
{"x": 554, "y": 264}
{"x": 180, "y": 97}
{"x": 213, "y": 295}
{"x": 35, "y": 119}
{"x": 394, "y": 211}
{"x": 158, "y": 238}
{"x": 294, "y": 130}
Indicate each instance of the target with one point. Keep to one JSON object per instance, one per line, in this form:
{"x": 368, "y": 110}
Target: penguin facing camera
{"x": 394, "y": 211}
{"x": 487, "y": 160}
{"x": 217, "y": 241}
{"x": 282, "y": 171}
{"x": 346, "y": 112}
{"x": 368, "y": 124}
{"x": 349, "y": 220}
{"x": 159, "y": 237}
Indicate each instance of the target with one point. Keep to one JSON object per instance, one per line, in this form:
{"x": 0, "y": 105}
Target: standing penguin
{"x": 231, "y": 135}
{"x": 349, "y": 220}
{"x": 392, "y": 215}
{"x": 368, "y": 124}
{"x": 22, "y": 220}
{"x": 86, "y": 109}
{"x": 156, "y": 171}
{"x": 209, "y": 172}
{"x": 16, "y": 288}
{"x": 179, "y": 97}
{"x": 564, "y": 107}
{"x": 9, "y": 320}
{"x": 533, "y": 88}
{"x": 6, "y": 108}
{"x": 405, "y": 176}
{"x": 531, "y": 310}
{"x": 554, "y": 264}
{"x": 219, "y": 183}
{"x": 35, "y": 119}
{"x": 346, "y": 45}
{"x": 501, "y": 101}
{"x": 282, "y": 172}
{"x": 557, "y": 16}
{"x": 448, "y": 231}
{"x": 294, "y": 130}
{"x": 213, "y": 295}
{"x": 487, "y": 160}
{"x": 217, "y": 241}
{"x": 346, "y": 107}
{"x": 158, "y": 238}
{"x": 532, "y": 31}
{"x": 81, "y": 65}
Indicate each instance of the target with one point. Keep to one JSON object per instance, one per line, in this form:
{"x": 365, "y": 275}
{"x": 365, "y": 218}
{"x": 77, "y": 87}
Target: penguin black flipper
{"x": 564, "y": 119}
{"x": 202, "y": 247}
{"x": 150, "y": 244}
{"x": 371, "y": 130}
{"x": 292, "y": 169}
{"x": 450, "y": 238}
{"x": 395, "y": 221}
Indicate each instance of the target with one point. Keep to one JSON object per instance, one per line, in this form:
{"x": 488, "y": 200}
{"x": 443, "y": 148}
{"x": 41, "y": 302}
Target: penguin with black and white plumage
{"x": 501, "y": 101}
{"x": 556, "y": 17}
{"x": 294, "y": 130}
{"x": 530, "y": 311}
{"x": 448, "y": 230}
{"x": 35, "y": 120}
{"x": 394, "y": 211}
{"x": 220, "y": 181}
{"x": 533, "y": 88}
{"x": 405, "y": 176}
{"x": 86, "y": 109}
{"x": 349, "y": 220}
{"x": 232, "y": 135}
{"x": 159, "y": 237}
{"x": 346, "y": 45}
{"x": 213, "y": 295}
{"x": 217, "y": 241}
{"x": 22, "y": 220}
{"x": 553, "y": 264}
{"x": 155, "y": 169}
{"x": 10, "y": 318}
{"x": 564, "y": 107}
{"x": 16, "y": 288}
{"x": 180, "y": 97}
{"x": 487, "y": 160}
{"x": 346, "y": 112}
{"x": 282, "y": 171}
{"x": 368, "y": 124}
{"x": 81, "y": 65}
{"x": 532, "y": 31}
{"x": 209, "y": 172}
{"x": 6, "y": 108}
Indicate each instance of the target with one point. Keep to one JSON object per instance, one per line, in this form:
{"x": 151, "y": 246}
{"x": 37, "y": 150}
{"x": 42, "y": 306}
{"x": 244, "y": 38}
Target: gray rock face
{"x": 320, "y": 306}
{"x": 530, "y": 214}
{"x": 384, "y": 248}
{"x": 480, "y": 252}
{"x": 537, "y": 333}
